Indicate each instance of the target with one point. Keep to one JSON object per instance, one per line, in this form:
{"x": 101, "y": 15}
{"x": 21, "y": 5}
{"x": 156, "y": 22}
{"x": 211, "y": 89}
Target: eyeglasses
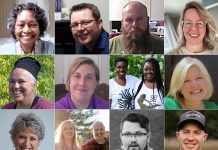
{"x": 136, "y": 135}
{"x": 198, "y": 24}
{"x": 83, "y": 23}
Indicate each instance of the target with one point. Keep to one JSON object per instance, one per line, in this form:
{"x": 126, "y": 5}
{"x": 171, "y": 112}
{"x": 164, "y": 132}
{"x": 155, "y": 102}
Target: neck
{"x": 195, "y": 48}
{"x": 120, "y": 80}
{"x": 68, "y": 143}
{"x": 26, "y": 104}
{"x": 27, "y": 48}
{"x": 150, "y": 84}
{"x": 193, "y": 104}
{"x": 82, "y": 104}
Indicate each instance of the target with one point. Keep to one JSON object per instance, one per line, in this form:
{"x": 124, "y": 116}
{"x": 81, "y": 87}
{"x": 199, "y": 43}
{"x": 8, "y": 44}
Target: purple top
{"x": 42, "y": 103}
{"x": 96, "y": 103}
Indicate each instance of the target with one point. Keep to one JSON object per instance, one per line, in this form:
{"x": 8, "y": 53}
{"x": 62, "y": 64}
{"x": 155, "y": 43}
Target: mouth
{"x": 22, "y": 148}
{"x": 194, "y": 35}
{"x": 17, "y": 93}
{"x": 82, "y": 37}
{"x": 27, "y": 37}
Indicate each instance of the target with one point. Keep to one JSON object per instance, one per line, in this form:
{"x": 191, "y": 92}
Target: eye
{"x": 20, "y": 25}
{"x": 129, "y": 20}
{"x": 77, "y": 76}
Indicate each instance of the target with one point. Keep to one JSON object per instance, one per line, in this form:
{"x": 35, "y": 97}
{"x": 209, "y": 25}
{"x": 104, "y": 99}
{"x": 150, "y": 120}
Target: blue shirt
{"x": 101, "y": 45}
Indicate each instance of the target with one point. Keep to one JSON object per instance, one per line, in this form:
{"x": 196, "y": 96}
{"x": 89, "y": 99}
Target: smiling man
{"x": 98, "y": 142}
{"x": 191, "y": 132}
{"x": 135, "y": 132}
{"x": 87, "y": 29}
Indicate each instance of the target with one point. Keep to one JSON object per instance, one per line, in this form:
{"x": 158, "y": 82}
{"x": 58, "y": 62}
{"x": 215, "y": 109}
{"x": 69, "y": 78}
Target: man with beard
{"x": 87, "y": 29}
{"x": 191, "y": 132}
{"x": 135, "y": 132}
{"x": 136, "y": 38}
{"x": 98, "y": 142}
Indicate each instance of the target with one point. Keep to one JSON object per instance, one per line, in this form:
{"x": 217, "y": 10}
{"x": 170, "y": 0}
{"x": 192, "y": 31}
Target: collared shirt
{"x": 101, "y": 45}
{"x": 95, "y": 103}
{"x": 19, "y": 49}
{"x": 93, "y": 145}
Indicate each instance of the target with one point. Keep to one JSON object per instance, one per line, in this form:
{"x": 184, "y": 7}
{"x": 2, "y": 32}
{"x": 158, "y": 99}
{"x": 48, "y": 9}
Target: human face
{"x": 83, "y": 83}
{"x": 26, "y": 29}
{"x": 86, "y": 34}
{"x": 195, "y": 85}
{"x": 134, "y": 20}
{"x": 149, "y": 71}
{"x": 21, "y": 86}
{"x": 26, "y": 140}
{"x": 140, "y": 142}
{"x": 191, "y": 137}
{"x": 193, "y": 35}
{"x": 98, "y": 132}
{"x": 68, "y": 131}
{"x": 121, "y": 69}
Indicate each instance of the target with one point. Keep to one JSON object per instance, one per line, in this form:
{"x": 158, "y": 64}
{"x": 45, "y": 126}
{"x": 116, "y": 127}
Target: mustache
{"x": 133, "y": 146}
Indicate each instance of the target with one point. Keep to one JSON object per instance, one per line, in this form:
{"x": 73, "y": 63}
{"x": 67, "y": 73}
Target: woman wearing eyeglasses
{"x": 197, "y": 32}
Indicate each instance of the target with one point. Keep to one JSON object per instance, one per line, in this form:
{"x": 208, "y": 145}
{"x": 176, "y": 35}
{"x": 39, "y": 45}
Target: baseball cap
{"x": 192, "y": 116}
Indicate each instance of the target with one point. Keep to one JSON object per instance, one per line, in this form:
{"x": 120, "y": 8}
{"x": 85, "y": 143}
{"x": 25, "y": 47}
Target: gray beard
{"x": 136, "y": 44}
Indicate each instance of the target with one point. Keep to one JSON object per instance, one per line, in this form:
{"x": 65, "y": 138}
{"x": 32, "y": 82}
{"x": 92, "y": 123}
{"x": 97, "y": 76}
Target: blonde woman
{"x": 66, "y": 136}
{"x": 197, "y": 32}
{"x": 190, "y": 86}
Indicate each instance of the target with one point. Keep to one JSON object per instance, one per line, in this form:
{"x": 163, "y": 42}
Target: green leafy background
{"x": 45, "y": 82}
{"x": 135, "y": 63}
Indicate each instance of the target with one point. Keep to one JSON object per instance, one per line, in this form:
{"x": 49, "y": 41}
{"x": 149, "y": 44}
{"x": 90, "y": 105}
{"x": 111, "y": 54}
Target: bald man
{"x": 136, "y": 38}
{"x": 98, "y": 142}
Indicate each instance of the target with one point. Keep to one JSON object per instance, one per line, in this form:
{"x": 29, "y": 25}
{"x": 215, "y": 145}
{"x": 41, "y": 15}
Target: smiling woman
{"x": 27, "y": 23}
{"x": 190, "y": 86}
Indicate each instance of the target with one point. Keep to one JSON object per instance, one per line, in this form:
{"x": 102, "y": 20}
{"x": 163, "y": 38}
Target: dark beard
{"x": 136, "y": 42}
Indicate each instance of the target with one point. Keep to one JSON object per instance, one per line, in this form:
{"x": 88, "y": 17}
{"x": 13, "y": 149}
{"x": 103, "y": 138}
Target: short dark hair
{"x": 35, "y": 9}
{"x": 136, "y": 118}
{"x": 120, "y": 59}
{"x": 95, "y": 11}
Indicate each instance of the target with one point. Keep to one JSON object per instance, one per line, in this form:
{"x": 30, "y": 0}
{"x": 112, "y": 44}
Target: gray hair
{"x": 28, "y": 121}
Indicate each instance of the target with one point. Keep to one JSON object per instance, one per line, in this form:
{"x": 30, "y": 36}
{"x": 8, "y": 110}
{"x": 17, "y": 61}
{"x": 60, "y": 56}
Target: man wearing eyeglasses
{"x": 135, "y": 38}
{"x": 191, "y": 132}
{"x": 135, "y": 132}
{"x": 87, "y": 29}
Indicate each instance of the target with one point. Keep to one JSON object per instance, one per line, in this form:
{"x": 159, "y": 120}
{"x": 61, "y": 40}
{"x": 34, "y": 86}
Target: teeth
{"x": 196, "y": 91}
{"x": 17, "y": 92}
{"x": 194, "y": 35}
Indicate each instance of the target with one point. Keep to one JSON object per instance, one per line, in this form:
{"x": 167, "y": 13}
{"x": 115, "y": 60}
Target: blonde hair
{"x": 59, "y": 139}
{"x": 210, "y": 36}
{"x": 178, "y": 77}
{"x": 76, "y": 64}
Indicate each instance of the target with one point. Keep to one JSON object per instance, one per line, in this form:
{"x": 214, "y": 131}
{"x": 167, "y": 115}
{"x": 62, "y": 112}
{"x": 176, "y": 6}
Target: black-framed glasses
{"x": 198, "y": 24}
{"x": 83, "y": 23}
{"x": 136, "y": 135}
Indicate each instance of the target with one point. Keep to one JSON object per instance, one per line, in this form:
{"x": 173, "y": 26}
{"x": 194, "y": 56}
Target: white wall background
{"x": 7, "y": 117}
{"x": 63, "y": 62}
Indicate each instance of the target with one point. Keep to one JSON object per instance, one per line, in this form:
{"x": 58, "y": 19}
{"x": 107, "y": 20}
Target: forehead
{"x": 26, "y": 15}
{"x": 98, "y": 126}
{"x": 193, "y": 70}
{"x": 83, "y": 14}
{"x": 148, "y": 64}
{"x": 132, "y": 127}
{"x": 19, "y": 73}
{"x": 121, "y": 63}
{"x": 134, "y": 10}
{"x": 85, "y": 68}
{"x": 192, "y": 14}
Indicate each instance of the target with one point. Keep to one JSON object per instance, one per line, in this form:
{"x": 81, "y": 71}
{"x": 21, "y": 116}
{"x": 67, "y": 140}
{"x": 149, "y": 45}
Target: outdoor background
{"x": 171, "y": 120}
{"x": 45, "y": 81}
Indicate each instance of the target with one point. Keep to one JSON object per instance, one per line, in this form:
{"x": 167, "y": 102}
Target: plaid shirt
{"x": 93, "y": 145}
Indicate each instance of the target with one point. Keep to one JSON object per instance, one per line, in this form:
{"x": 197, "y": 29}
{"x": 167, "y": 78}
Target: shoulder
{"x": 133, "y": 78}
{"x": 8, "y": 106}
{"x": 63, "y": 103}
{"x": 46, "y": 47}
{"x": 100, "y": 103}
{"x": 44, "y": 104}
{"x": 116, "y": 45}
{"x": 171, "y": 103}
{"x": 8, "y": 48}
{"x": 88, "y": 145}
{"x": 172, "y": 52}
{"x": 210, "y": 105}
{"x": 157, "y": 44}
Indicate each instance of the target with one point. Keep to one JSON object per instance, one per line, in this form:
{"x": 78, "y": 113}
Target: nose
{"x": 193, "y": 27}
{"x": 80, "y": 27}
{"x": 26, "y": 29}
{"x": 190, "y": 137}
{"x": 27, "y": 142}
{"x": 133, "y": 139}
{"x": 134, "y": 24}
{"x": 82, "y": 81}
{"x": 16, "y": 85}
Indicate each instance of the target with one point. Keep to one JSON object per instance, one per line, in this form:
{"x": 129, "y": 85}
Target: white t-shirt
{"x": 122, "y": 97}
{"x": 152, "y": 100}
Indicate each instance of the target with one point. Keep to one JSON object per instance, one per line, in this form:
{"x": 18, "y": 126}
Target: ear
{"x": 100, "y": 23}
{"x": 205, "y": 137}
{"x": 177, "y": 135}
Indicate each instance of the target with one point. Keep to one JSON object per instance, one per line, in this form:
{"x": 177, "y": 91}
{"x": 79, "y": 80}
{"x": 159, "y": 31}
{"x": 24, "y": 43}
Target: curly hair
{"x": 28, "y": 121}
{"x": 210, "y": 36}
{"x": 38, "y": 12}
